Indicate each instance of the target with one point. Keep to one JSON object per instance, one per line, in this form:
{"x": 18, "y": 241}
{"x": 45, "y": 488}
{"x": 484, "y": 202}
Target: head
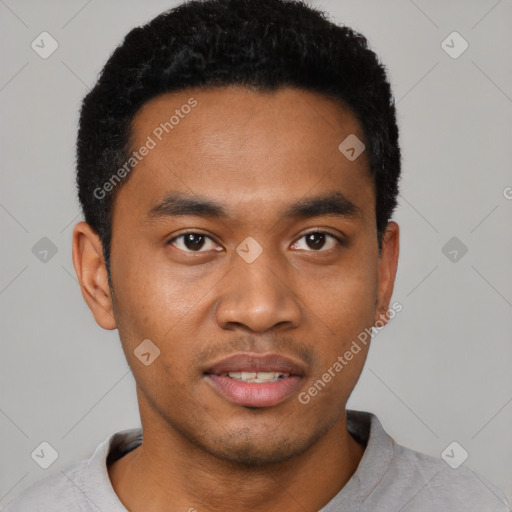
{"x": 208, "y": 157}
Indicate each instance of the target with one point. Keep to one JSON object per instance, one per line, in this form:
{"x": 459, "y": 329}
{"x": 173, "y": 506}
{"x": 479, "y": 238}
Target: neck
{"x": 167, "y": 469}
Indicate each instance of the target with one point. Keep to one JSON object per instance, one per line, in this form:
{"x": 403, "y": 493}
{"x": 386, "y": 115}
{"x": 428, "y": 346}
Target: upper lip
{"x": 251, "y": 362}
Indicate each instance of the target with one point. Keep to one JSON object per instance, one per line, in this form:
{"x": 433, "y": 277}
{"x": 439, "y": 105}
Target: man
{"x": 238, "y": 167}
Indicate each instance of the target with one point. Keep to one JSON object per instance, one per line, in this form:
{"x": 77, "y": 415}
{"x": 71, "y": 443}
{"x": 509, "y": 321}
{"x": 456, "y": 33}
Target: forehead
{"x": 246, "y": 148}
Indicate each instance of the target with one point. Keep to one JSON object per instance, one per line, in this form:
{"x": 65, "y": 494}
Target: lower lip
{"x": 254, "y": 394}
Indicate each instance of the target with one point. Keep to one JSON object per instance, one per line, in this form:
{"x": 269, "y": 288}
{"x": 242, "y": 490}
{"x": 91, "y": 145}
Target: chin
{"x": 249, "y": 450}
{"x": 258, "y": 456}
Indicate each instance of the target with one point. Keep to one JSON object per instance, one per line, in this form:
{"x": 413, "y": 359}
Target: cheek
{"x": 345, "y": 304}
{"x": 151, "y": 292}
{"x": 353, "y": 305}
{"x": 345, "y": 298}
{"x": 160, "y": 302}
{"x": 346, "y": 307}
{"x": 154, "y": 305}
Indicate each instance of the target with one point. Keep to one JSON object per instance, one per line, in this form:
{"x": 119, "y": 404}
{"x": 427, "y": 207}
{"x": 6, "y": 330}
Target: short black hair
{"x": 261, "y": 44}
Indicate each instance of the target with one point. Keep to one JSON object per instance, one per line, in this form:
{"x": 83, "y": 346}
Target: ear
{"x": 92, "y": 274}
{"x": 388, "y": 262}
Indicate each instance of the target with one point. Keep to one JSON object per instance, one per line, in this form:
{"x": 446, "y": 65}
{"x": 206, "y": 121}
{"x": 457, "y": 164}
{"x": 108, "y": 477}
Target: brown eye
{"x": 191, "y": 242}
{"x": 318, "y": 241}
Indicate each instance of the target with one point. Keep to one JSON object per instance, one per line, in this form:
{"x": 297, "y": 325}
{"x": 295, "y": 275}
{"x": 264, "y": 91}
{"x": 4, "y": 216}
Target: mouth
{"x": 259, "y": 377}
{"x": 255, "y": 380}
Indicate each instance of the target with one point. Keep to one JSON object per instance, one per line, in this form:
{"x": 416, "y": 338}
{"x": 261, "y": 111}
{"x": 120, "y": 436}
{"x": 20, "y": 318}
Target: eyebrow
{"x": 178, "y": 204}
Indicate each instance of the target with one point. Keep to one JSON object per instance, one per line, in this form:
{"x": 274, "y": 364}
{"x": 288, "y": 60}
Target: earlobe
{"x": 92, "y": 274}
{"x": 387, "y": 267}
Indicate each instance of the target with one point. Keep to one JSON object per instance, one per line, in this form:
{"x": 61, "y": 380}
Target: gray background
{"x": 439, "y": 372}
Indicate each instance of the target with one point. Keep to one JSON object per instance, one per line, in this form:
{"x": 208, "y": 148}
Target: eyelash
{"x": 340, "y": 240}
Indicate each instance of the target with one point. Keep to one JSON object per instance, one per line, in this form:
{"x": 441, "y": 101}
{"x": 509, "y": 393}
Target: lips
{"x": 224, "y": 377}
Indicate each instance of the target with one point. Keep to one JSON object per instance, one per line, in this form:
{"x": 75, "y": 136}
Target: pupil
{"x": 316, "y": 240}
{"x": 190, "y": 243}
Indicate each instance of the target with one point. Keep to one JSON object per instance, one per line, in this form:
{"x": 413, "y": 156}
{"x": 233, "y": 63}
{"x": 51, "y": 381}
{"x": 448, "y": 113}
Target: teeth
{"x": 257, "y": 376}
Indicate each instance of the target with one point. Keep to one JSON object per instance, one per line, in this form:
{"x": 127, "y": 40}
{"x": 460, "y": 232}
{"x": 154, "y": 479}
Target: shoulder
{"x": 428, "y": 480}
{"x": 54, "y": 493}
{"x": 393, "y": 477}
{"x": 82, "y": 486}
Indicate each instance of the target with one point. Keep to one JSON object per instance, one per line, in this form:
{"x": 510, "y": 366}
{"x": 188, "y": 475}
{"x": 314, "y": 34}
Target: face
{"x": 244, "y": 231}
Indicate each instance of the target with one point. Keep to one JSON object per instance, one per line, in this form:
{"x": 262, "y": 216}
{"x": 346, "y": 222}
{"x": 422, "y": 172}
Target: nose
{"x": 258, "y": 296}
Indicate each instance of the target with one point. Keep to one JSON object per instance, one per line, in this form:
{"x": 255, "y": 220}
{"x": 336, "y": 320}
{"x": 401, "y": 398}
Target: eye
{"x": 191, "y": 242}
{"x": 316, "y": 241}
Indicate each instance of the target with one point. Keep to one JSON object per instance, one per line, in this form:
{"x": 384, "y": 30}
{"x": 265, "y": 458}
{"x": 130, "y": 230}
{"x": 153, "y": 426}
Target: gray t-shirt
{"x": 389, "y": 478}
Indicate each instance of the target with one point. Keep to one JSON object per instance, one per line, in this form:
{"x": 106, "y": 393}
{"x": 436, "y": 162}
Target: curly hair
{"x": 261, "y": 44}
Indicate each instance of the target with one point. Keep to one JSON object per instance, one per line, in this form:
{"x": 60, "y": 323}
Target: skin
{"x": 255, "y": 153}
